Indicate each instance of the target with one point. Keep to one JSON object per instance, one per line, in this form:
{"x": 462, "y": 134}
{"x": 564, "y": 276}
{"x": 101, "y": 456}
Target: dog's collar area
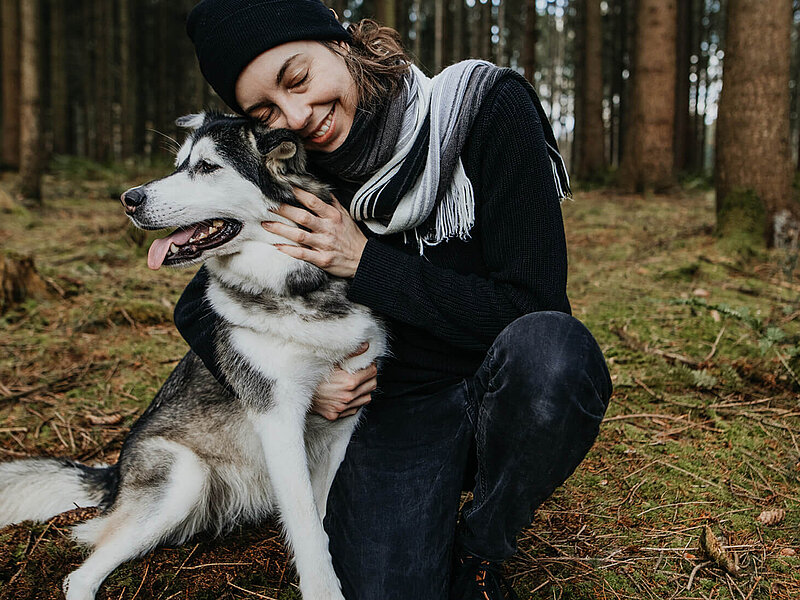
{"x": 188, "y": 243}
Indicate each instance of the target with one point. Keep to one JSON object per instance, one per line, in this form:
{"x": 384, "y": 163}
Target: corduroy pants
{"x": 521, "y": 425}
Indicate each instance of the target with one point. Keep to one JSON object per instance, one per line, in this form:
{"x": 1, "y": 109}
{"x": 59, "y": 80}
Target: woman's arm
{"x": 197, "y": 323}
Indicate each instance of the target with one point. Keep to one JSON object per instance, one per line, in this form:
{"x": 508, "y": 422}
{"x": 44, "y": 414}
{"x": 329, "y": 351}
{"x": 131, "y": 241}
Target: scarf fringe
{"x": 455, "y": 214}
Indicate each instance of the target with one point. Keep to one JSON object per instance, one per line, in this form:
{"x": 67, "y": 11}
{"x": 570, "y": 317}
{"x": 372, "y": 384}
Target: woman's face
{"x": 302, "y": 86}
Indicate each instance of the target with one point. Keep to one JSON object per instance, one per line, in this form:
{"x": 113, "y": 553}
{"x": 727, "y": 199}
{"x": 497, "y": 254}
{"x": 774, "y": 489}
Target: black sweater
{"x": 444, "y": 309}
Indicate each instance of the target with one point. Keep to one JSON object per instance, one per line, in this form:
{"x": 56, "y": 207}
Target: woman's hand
{"x": 333, "y": 241}
{"x": 343, "y": 393}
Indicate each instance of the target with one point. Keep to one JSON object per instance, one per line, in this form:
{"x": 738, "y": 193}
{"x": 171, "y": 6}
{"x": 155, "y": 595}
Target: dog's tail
{"x": 38, "y": 489}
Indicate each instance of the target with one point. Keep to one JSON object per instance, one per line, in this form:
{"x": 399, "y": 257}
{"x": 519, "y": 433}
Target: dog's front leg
{"x": 281, "y": 429}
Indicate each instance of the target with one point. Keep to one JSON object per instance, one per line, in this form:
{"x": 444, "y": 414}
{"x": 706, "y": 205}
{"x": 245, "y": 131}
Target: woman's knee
{"x": 544, "y": 344}
{"x": 549, "y": 355}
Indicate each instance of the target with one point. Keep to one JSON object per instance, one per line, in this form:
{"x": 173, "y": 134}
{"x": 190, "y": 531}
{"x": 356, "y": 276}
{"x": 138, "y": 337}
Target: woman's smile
{"x": 326, "y": 131}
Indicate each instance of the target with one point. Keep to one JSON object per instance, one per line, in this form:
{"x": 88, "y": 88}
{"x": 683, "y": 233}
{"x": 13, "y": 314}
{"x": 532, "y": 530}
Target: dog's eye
{"x": 206, "y": 167}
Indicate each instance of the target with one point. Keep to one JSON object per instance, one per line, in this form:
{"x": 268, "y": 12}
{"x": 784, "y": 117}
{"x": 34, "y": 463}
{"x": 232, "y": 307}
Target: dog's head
{"x": 230, "y": 173}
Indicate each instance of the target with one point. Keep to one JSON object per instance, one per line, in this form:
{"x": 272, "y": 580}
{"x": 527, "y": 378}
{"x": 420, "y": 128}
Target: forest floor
{"x": 703, "y": 428}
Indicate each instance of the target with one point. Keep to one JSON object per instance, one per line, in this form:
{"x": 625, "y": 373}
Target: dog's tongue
{"x": 159, "y": 248}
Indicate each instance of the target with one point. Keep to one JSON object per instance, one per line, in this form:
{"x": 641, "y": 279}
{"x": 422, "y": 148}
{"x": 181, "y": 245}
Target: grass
{"x": 703, "y": 428}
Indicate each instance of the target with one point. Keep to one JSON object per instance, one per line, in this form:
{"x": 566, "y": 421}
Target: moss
{"x": 741, "y": 224}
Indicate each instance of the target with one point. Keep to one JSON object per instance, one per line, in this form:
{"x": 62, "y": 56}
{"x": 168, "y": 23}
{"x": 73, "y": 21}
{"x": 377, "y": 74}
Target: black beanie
{"x": 229, "y": 34}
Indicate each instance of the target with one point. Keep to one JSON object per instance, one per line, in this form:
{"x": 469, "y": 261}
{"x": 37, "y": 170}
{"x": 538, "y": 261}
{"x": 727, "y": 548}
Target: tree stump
{"x": 19, "y": 280}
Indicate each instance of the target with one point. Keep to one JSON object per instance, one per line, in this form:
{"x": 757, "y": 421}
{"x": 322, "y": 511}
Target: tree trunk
{"x": 386, "y": 13}
{"x": 485, "y": 27}
{"x": 59, "y": 96}
{"x": 753, "y": 170}
{"x": 500, "y": 48}
{"x": 529, "y": 42}
{"x": 102, "y": 79}
{"x": 438, "y": 34}
{"x": 682, "y": 47}
{"x": 30, "y": 103}
{"x": 649, "y": 157}
{"x": 592, "y": 134}
{"x": 457, "y": 38}
{"x": 11, "y": 82}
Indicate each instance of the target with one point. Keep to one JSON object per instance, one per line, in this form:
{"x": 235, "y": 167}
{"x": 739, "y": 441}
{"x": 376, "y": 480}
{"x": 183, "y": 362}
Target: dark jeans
{"x": 529, "y": 416}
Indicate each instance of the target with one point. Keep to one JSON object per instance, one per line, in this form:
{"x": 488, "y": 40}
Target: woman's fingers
{"x": 293, "y": 234}
{"x": 314, "y": 204}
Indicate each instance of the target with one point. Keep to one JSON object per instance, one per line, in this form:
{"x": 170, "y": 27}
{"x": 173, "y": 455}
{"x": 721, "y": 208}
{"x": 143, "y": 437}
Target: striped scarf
{"x": 423, "y": 187}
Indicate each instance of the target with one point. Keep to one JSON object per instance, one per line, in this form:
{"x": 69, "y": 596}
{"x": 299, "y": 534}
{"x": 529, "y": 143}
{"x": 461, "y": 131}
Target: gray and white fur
{"x": 201, "y": 457}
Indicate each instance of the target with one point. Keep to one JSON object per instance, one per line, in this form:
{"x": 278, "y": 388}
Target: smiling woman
{"x": 303, "y": 86}
{"x": 450, "y": 229}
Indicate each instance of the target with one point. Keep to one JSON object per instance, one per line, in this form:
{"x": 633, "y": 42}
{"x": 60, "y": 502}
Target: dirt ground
{"x": 702, "y": 431}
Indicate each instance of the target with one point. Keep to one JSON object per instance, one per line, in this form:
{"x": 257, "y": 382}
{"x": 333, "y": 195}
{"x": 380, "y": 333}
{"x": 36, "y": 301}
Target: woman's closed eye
{"x": 298, "y": 81}
{"x": 266, "y": 114}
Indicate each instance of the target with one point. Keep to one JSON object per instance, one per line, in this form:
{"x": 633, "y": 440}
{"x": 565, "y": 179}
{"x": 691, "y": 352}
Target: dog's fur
{"x": 201, "y": 457}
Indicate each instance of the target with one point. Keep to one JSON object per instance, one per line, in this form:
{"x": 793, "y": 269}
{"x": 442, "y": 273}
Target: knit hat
{"x": 229, "y": 34}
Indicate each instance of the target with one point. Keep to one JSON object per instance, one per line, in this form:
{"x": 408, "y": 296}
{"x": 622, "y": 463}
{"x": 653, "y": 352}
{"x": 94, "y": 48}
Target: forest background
{"x": 679, "y": 121}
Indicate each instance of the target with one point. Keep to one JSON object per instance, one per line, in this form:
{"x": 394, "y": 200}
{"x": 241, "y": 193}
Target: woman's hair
{"x": 376, "y": 61}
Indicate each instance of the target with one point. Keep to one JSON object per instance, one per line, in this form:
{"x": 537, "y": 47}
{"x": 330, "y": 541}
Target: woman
{"x": 450, "y": 228}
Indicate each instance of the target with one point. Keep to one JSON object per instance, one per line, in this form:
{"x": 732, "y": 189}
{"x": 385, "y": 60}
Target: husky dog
{"x": 201, "y": 457}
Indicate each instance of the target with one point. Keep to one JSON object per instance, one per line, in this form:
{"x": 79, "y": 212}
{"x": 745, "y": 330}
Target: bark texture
{"x": 30, "y": 104}
{"x": 753, "y": 158}
{"x": 591, "y": 131}
{"x": 529, "y": 42}
{"x": 11, "y": 82}
{"x": 648, "y": 158}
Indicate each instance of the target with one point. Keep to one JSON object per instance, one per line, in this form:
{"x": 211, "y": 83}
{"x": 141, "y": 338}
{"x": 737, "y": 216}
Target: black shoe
{"x": 478, "y": 579}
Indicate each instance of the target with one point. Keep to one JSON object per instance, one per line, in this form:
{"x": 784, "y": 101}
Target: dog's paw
{"x": 76, "y": 588}
{"x": 322, "y": 590}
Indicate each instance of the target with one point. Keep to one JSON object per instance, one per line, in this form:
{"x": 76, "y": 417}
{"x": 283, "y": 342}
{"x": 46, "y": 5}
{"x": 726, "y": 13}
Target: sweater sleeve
{"x": 197, "y": 323}
{"x": 519, "y": 226}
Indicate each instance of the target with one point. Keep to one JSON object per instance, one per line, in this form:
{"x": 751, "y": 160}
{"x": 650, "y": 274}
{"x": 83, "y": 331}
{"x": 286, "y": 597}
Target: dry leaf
{"x": 715, "y": 552}
{"x": 787, "y": 552}
{"x": 715, "y": 316}
{"x": 104, "y": 419}
{"x": 701, "y": 293}
{"x": 771, "y": 517}
{"x": 689, "y": 556}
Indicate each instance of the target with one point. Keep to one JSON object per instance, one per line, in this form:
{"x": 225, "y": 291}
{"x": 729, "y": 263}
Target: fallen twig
{"x": 256, "y": 594}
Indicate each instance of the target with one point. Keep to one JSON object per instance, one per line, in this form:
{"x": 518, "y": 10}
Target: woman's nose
{"x": 297, "y": 115}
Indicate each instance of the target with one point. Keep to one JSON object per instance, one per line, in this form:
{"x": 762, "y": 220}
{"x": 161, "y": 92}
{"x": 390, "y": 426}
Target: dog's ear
{"x": 191, "y": 121}
{"x": 275, "y": 144}
{"x": 283, "y": 151}
{"x": 279, "y": 147}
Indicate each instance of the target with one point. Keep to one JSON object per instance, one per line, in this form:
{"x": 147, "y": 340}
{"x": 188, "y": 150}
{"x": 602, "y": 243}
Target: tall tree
{"x": 682, "y": 61}
{"x": 103, "y": 84}
{"x": 529, "y": 41}
{"x": 30, "y": 102}
{"x": 386, "y": 13}
{"x": 11, "y": 81}
{"x": 648, "y": 157}
{"x": 59, "y": 96}
{"x": 753, "y": 174}
{"x": 128, "y": 79}
{"x": 438, "y": 29}
{"x": 590, "y": 129}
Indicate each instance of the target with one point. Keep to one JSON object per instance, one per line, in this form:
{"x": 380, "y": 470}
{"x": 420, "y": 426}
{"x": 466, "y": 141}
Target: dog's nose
{"x": 132, "y": 198}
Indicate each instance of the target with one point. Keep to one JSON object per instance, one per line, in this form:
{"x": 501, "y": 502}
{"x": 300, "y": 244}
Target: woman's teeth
{"x": 325, "y": 126}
